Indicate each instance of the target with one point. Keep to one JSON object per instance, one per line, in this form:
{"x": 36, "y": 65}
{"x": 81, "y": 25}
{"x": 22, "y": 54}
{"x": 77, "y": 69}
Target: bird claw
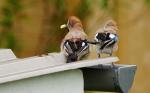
{"x": 113, "y": 65}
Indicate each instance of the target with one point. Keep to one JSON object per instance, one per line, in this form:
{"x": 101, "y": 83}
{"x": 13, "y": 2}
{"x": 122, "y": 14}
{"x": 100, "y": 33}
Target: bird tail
{"x": 72, "y": 58}
{"x": 76, "y": 50}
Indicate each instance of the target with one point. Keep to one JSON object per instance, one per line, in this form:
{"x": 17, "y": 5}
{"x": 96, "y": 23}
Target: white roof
{"x": 17, "y": 69}
{"x": 6, "y": 54}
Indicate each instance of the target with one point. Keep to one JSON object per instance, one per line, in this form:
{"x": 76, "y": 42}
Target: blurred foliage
{"x": 11, "y": 41}
{"x": 55, "y": 13}
{"x": 9, "y": 11}
{"x": 84, "y": 9}
{"x": 51, "y": 35}
{"x": 147, "y": 2}
{"x": 115, "y": 10}
{"x": 53, "y": 20}
{"x": 51, "y": 23}
{"x": 104, "y": 4}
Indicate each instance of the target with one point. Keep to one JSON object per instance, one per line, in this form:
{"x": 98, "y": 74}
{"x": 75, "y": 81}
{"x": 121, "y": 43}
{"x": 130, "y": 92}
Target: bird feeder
{"x": 50, "y": 74}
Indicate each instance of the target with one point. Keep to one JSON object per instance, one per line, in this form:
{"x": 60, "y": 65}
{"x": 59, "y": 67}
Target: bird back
{"x": 76, "y": 50}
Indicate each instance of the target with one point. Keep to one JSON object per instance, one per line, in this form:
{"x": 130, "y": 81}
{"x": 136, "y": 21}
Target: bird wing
{"x": 110, "y": 41}
{"x": 84, "y": 49}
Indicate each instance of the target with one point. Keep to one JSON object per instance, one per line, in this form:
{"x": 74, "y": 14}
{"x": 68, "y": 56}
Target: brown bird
{"x": 107, "y": 38}
{"x": 74, "y": 45}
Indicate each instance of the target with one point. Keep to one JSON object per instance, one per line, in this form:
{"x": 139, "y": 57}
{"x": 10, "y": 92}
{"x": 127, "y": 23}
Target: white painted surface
{"x": 36, "y": 66}
{"x": 16, "y": 69}
{"x": 62, "y": 82}
{"x": 6, "y": 54}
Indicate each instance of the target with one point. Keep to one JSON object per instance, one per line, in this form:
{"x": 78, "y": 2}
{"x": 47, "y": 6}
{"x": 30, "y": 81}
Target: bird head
{"x": 110, "y": 23}
{"x": 73, "y": 22}
{"x": 111, "y": 26}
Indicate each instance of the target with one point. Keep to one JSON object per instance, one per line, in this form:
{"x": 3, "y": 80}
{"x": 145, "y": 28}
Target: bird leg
{"x": 99, "y": 55}
{"x": 110, "y": 54}
{"x": 113, "y": 65}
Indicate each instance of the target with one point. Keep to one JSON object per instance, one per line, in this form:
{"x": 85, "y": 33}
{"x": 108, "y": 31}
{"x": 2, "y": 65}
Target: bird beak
{"x": 63, "y": 26}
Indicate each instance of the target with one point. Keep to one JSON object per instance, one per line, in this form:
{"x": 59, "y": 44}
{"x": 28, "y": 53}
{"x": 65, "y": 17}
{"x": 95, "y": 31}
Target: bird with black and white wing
{"x": 106, "y": 38}
{"x": 74, "y": 44}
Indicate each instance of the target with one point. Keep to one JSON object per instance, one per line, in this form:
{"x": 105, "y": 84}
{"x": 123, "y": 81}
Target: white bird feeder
{"x": 50, "y": 74}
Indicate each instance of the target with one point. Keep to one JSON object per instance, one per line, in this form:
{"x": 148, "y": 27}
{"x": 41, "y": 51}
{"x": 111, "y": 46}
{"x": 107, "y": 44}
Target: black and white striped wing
{"x": 84, "y": 49}
{"x": 76, "y": 50}
{"x": 111, "y": 39}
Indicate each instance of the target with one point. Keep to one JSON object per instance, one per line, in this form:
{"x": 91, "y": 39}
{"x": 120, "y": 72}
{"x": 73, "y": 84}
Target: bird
{"x": 74, "y": 45}
{"x": 106, "y": 38}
